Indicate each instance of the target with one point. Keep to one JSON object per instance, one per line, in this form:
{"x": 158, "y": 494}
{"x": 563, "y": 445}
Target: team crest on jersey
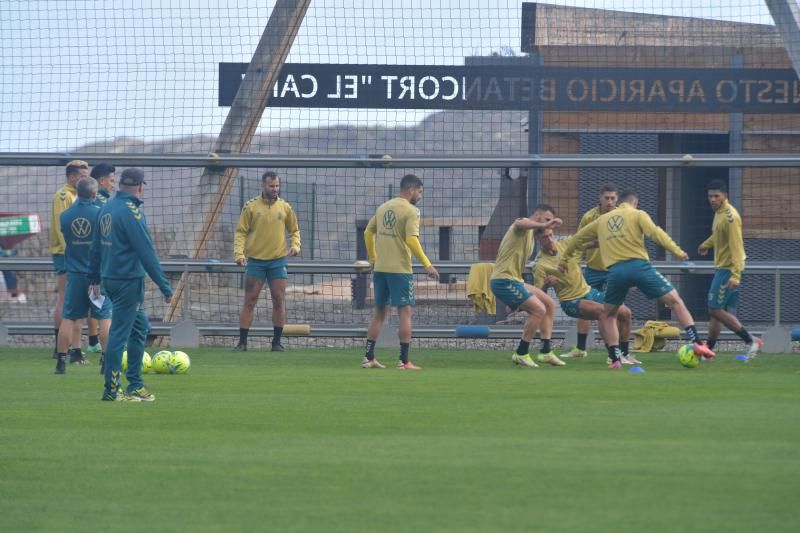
{"x": 615, "y": 223}
{"x": 389, "y": 219}
{"x": 105, "y": 224}
{"x": 280, "y": 216}
{"x": 81, "y": 227}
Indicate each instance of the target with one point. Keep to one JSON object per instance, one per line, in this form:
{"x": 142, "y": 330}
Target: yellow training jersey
{"x": 393, "y": 222}
{"x": 593, "y": 259}
{"x": 515, "y": 249}
{"x": 261, "y": 233}
{"x": 62, "y": 200}
{"x": 571, "y": 284}
{"x": 726, "y": 240}
{"x": 620, "y": 235}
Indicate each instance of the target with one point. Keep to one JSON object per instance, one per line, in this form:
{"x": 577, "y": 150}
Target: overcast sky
{"x": 75, "y": 72}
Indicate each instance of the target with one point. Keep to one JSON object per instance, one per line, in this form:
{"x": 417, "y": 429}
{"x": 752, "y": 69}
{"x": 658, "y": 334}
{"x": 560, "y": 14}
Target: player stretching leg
{"x": 620, "y": 237}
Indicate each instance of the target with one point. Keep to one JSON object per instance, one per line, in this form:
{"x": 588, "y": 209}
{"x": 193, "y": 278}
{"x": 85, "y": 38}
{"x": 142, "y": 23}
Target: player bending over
{"x": 577, "y": 298}
{"x": 509, "y": 287}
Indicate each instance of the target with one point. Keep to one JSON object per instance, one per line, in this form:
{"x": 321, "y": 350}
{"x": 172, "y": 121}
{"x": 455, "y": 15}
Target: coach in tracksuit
{"x": 126, "y": 255}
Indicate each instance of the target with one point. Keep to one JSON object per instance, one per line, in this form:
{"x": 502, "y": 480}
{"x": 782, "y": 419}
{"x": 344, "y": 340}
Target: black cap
{"x": 132, "y": 176}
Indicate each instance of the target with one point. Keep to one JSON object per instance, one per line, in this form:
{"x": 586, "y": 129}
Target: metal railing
{"x": 222, "y": 161}
{"x": 186, "y": 266}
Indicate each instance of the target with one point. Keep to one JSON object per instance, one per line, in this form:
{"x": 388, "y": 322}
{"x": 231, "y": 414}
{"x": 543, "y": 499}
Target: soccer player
{"x": 78, "y": 225}
{"x": 594, "y": 272}
{"x": 620, "y": 237}
{"x": 122, "y": 255}
{"x": 510, "y": 288}
{"x": 723, "y": 296}
{"x": 103, "y": 173}
{"x": 62, "y": 200}
{"x": 391, "y": 237}
{"x": 260, "y": 245}
{"x": 577, "y": 298}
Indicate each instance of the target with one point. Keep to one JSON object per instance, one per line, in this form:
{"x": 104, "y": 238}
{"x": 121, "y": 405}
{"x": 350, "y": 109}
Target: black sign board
{"x": 673, "y": 90}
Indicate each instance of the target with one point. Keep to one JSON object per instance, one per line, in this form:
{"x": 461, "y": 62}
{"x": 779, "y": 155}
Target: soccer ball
{"x": 145, "y": 362}
{"x": 687, "y": 357}
{"x": 179, "y": 363}
{"x": 161, "y": 362}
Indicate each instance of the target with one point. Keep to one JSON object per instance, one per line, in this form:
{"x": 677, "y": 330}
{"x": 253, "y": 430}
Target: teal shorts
{"x": 510, "y": 291}
{"x": 595, "y": 278}
{"x": 719, "y": 295}
{"x": 76, "y": 300}
{"x": 572, "y": 307}
{"x": 393, "y": 288}
{"x": 267, "y": 270}
{"x": 635, "y": 273}
{"x": 59, "y": 264}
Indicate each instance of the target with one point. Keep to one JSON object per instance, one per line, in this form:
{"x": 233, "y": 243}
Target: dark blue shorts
{"x": 720, "y": 296}
{"x": 595, "y": 278}
{"x": 393, "y": 288}
{"x": 76, "y": 300}
{"x": 511, "y": 292}
{"x": 267, "y": 270}
{"x": 635, "y": 273}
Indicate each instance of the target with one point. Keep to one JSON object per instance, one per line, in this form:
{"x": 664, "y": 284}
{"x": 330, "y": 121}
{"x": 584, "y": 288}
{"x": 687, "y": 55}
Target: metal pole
{"x": 535, "y": 148}
{"x": 735, "y": 146}
{"x": 777, "y": 297}
{"x": 313, "y": 222}
{"x": 786, "y": 15}
{"x": 186, "y": 309}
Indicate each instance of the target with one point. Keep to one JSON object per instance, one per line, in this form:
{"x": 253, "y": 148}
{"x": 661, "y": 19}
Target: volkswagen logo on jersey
{"x": 615, "y": 223}
{"x": 389, "y": 219}
{"x": 81, "y": 227}
{"x": 105, "y": 224}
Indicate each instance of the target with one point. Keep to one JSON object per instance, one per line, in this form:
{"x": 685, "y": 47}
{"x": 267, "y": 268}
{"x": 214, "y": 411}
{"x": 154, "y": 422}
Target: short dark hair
{"x": 75, "y": 167}
{"x": 717, "y": 185}
{"x": 627, "y": 195}
{"x": 609, "y": 187}
{"x": 102, "y": 169}
{"x": 410, "y": 181}
{"x": 269, "y": 174}
{"x": 544, "y": 207}
{"x": 87, "y": 188}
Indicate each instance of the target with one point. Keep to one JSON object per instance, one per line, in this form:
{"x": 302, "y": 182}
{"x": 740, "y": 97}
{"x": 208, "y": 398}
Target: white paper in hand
{"x": 96, "y": 298}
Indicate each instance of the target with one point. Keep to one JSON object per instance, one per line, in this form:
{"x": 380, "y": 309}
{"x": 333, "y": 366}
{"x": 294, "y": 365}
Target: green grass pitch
{"x": 308, "y": 441}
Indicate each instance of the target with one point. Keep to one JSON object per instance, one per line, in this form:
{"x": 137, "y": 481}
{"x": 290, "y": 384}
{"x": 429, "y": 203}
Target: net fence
{"x": 626, "y": 77}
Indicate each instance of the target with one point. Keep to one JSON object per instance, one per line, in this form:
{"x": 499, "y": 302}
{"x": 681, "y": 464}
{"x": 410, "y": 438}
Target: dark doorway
{"x": 696, "y": 217}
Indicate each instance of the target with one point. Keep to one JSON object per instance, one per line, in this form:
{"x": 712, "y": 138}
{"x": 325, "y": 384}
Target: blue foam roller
{"x": 741, "y": 357}
{"x": 796, "y": 334}
{"x": 472, "y": 331}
